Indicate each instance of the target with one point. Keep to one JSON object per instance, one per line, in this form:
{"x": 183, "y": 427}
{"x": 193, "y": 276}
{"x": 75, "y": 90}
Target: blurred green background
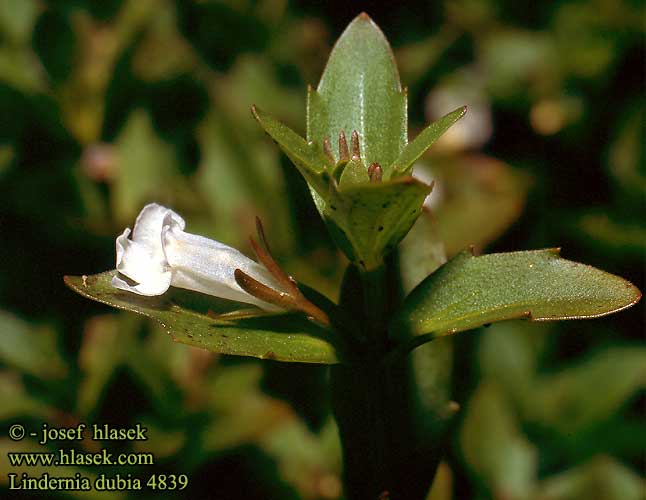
{"x": 108, "y": 104}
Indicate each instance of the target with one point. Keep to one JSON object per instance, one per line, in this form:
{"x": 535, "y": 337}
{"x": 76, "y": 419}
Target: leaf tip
{"x": 362, "y": 22}
{"x": 70, "y": 282}
{"x": 636, "y": 294}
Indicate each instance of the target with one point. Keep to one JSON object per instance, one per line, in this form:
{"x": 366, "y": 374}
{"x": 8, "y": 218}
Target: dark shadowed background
{"x": 108, "y": 105}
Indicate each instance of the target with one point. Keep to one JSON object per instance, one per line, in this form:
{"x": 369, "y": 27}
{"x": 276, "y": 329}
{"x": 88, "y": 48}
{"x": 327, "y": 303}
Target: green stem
{"x": 386, "y": 446}
{"x": 375, "y": 307}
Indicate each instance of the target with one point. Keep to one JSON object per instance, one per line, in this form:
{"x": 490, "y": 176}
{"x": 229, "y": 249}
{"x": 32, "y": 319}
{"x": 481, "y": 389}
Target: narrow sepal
{"x": 309, "y": 158}
{"x": 418, "y": 146}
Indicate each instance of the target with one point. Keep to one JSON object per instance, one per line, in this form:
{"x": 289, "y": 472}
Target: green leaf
{"x": 360, "y": 90}
{"x": 103, "y": 348}
{"x": 17, "y": 402}
{"x": 626, "y": 156}
{"x": 302, "y": 457}
{"x": 612, "y": 232}
{"x": 20, "y": 68}
{"x": 243, "y": 412}
{"x": 284, "y": 337}
{"x": 603, "y": 477}
{"x": 403, "y": 164}
{"x": 416, "y": 58}
{"x": 30, "y": 349}
{"x": 509, "y": 354}
{"x": 17, "y": 19}
{"x": 307, "y": 156}
{"x": 111, "y": 341}
{"x": 494, "y": 447}
{"x": 469, "y": 291}
{"x": 442, "y": 488}
{"x": 253, "y": 78}
{"x": 569, "y": 400}
{"x": 369, "y": 220}
{"x": 432, "y": 365}
{"x": 7, "y": 155}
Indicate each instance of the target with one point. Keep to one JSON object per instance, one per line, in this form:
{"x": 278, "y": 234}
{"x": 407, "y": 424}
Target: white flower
{"x": 161, "y": 254}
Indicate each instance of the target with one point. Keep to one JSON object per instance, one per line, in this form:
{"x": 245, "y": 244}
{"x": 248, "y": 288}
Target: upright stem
{"x": 385, "y": 448}
{"x": 375, "y": 307}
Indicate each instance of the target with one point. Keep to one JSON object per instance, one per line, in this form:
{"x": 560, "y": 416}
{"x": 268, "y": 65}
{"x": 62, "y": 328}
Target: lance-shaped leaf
{"x": 469, "y": 291}
{"x": 283, "y": 337}
{"x": 369, "y": 220}
{"x": 360, "y": 90}
{"x": 413, "y": 150}
{"x": 308, "y": 157}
